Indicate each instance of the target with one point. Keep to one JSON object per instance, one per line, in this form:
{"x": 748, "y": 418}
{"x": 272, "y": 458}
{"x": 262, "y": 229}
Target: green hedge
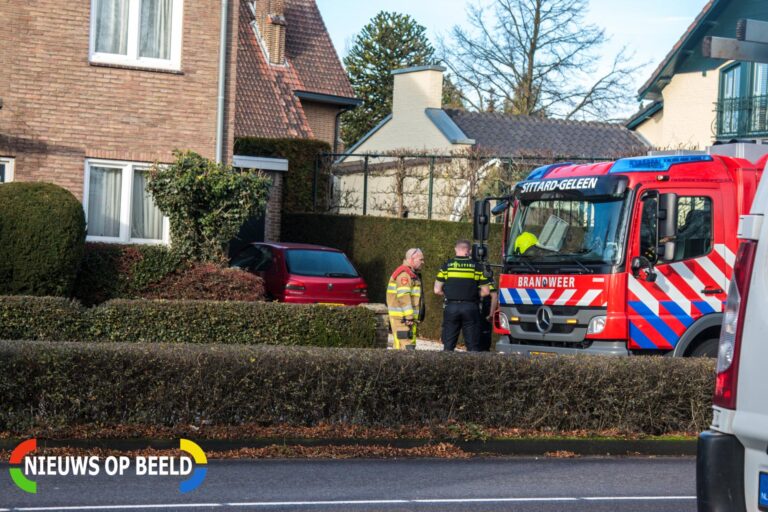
{"x": 376, "y": 245}
{"x": 302, "y": 155}
{"x": 54, "y": 319}
{"x": 49, "y": 385}
{"x": 111, "y": 271}
{"x": 42, "y": 233}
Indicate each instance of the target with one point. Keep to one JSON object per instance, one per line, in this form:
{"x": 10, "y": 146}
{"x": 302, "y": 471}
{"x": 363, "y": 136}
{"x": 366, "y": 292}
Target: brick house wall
{"x": 322, "y": 119}
{"x": 59, "y": 109}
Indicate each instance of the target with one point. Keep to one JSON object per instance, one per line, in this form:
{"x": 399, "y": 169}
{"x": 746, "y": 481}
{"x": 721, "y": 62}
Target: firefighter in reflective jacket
{"x": 404, "y": 300}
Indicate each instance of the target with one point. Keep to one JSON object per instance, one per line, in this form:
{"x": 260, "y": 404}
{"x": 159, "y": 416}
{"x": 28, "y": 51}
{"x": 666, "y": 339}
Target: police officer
{"x": 462, "y": 282}
{"x": 487, "y": 307}
{"x": 404, "y": 302}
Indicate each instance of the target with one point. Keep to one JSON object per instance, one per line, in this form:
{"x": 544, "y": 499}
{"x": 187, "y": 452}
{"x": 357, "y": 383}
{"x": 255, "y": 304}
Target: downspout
{"x": 222, "y": 82}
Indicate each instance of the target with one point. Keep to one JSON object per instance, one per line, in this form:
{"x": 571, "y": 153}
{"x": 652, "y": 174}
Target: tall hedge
{"x": 205, "y": 322}
{"x": 376, "y": 245}
{"x": 302, "y": 155}
{"x": 42, "y": 235}
{"x": 48, "y": 385}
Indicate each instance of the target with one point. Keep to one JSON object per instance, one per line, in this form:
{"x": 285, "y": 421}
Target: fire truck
{"x": 621, "y": 258}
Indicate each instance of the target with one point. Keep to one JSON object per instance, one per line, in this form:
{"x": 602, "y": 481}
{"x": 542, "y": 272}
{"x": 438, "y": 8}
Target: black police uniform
{"x": 461, "y": 278}
{"x": 486, "y": 327}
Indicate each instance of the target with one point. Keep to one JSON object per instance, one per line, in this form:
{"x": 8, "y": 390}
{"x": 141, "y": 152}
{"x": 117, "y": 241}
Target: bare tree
{"x": 540, "y": 58}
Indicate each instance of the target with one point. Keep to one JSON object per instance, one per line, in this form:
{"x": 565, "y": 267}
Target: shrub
{"x": 42, "y": 232}
{"x": 208, "y": 282}
{"x": 52, "y": 385}
{"x": 376, "y": 245}
{"x": 123, "y": 271}
{"x": 206, "y": 203}
{"x": 189, "y": 322}
{"x": 302, "y": 155}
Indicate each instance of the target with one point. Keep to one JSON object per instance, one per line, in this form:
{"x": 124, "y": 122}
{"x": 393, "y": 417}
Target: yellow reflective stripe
{"x": 407, "y": 312}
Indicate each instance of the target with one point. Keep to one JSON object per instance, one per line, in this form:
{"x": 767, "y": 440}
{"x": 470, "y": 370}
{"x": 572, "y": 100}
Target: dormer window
{"x": 270, "y": 26}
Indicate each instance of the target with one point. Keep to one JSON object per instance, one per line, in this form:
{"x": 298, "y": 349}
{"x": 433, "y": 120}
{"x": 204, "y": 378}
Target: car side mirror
{"x": 642, "y": 263}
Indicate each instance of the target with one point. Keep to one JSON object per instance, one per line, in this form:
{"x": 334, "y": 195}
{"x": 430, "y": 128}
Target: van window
{"x": 694, "y": 227}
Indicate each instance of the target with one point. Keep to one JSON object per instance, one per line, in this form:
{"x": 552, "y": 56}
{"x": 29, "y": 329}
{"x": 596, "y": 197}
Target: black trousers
{"x": 485, "y": 337}
{"x": 458, "y": 317}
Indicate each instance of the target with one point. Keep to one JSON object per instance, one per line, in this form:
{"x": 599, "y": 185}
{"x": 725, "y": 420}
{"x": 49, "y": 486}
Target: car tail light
{"x": 362, "y": 289}
{"x": 295, "y": 286}
{"x": 733, "y": 327}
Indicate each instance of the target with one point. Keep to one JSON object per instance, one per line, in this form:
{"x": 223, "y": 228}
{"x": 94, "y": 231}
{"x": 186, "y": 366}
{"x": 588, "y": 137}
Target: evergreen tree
{"x": 389, "y": 41}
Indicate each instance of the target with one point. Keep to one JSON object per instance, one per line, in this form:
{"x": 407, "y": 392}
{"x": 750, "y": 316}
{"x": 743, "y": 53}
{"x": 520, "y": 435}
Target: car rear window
{"x": 306, "y": 262}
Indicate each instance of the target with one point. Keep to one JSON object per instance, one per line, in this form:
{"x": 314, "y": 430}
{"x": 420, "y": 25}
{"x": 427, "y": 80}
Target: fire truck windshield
{"x": 577, "y": 230}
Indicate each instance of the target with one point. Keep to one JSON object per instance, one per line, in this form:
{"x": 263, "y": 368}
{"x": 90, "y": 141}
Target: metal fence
{"x": 414, "y": 185}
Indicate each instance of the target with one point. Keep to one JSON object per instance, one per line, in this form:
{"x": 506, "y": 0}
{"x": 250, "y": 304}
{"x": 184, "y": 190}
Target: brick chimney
{"x": 416, "y": 89}
{"x": 271, "y": 25}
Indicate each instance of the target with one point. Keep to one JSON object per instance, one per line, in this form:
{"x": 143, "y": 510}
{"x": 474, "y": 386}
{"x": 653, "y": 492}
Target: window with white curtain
{"x": 6, "y": 170}
{"x": 144, "y": 33}
{"x": 118, "y": 206}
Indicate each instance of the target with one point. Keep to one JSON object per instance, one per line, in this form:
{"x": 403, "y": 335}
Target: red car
{"x": 304, "y": 273}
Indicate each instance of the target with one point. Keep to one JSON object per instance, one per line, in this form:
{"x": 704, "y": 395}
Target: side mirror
{"x": 481, "y": 220}
{"x": 668, "y": 224}
{"x": 642, "y": 263}
{"x": 500, "y": 208}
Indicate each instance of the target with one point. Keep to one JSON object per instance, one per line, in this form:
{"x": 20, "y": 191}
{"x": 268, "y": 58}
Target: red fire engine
{"x": 625, "y": 257}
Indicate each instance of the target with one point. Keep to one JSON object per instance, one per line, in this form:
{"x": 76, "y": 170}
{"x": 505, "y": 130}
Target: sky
{"x": 648, "y": 27}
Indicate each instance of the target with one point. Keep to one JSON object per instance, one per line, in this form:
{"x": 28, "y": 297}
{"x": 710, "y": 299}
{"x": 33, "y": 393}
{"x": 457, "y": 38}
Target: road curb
{"x": 519, "y": 447}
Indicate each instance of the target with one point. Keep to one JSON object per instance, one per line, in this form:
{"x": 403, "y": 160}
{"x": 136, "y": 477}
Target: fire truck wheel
{"x": 707, "y": 348}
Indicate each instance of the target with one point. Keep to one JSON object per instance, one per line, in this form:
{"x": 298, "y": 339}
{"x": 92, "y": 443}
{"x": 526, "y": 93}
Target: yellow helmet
{"x": 524, "y": 242}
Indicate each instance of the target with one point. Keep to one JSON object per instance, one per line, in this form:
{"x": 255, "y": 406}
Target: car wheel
{"x": 707, "y": 348}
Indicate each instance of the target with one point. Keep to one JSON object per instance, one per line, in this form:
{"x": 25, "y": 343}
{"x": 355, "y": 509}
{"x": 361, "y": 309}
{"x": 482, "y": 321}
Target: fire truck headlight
{"x": 596, "y": 325}
{"x": 503, "y": 321}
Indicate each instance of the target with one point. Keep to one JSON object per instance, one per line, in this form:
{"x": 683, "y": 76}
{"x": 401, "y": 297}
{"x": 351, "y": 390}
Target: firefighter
{"x": 462, "y": 282}
{"x": 524, "y": 242}
{"x": 404, "y": 300}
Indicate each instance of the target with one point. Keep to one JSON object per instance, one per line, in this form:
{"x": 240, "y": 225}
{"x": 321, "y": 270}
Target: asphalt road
{"x": 509, "y": 484}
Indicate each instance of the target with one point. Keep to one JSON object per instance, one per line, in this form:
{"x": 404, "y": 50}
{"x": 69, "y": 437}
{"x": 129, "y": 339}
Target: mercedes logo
{"x": 544, "y": 319}
{"x": 330, "y": 286}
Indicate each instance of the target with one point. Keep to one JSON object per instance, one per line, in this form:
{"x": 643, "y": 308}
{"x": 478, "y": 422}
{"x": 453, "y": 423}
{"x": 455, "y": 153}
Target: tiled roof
{"x": 266, "y": 102}
{"x": 526, "y": 135}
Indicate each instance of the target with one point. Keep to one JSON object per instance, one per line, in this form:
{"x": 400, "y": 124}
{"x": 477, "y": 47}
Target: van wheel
{"x": 707, "y": 348}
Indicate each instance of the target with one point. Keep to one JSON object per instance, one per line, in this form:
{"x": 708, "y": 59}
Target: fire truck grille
{"x": 556, "y": 328}
{"x": 531, "y": 309}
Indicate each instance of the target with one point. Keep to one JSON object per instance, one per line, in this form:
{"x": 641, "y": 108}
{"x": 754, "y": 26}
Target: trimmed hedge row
{"x": 57, "y": 319}
{"x": 49, "y": 385}
{"x": 376, "y": 245}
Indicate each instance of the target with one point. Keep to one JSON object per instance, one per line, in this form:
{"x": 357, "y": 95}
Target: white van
{"x": 732, "y": 464}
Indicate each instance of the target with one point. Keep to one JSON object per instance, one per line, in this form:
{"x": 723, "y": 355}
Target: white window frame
{"x": 132, "y": 59}
{"x": 9, "y": 169}
{"x": 126, "y": 203}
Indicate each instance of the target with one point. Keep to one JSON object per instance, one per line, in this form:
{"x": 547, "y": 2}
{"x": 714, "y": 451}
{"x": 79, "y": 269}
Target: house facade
{"x": 91, "y": 101}
{"x": 692, "y": 101}
{"x": 451, "y": 153}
